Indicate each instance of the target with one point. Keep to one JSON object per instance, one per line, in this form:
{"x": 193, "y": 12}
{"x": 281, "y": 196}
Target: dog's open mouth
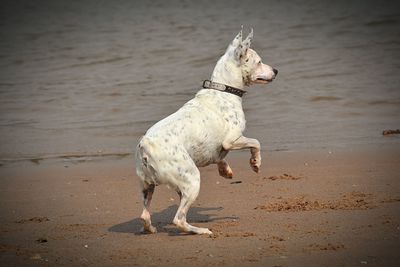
{"x": 263, "y": 80}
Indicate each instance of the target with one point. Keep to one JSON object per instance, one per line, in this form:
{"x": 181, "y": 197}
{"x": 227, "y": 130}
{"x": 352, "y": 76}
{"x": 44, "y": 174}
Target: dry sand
{"x": 337, "y": 207}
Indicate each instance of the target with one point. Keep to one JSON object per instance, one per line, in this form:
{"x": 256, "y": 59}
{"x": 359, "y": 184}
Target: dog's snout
{"x": 275, "y": 71}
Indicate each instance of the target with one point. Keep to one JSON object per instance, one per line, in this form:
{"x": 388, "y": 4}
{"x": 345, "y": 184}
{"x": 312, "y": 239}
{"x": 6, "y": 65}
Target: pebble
{"x": 36, "y": 257}
{"x": 41, "y": 240}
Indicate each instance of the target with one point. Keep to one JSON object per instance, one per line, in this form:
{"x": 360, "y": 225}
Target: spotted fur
{"x": 201, "y": 133}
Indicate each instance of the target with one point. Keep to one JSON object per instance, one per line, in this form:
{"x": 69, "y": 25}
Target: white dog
{"x": 201, "y": 133}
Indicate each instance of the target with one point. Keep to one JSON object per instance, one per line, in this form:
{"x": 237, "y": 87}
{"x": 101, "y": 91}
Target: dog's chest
{"x": 217, "y": 113}
{"x": 215, "y": 116}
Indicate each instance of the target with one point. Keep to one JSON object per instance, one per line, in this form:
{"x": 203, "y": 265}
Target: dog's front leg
{"x": 224, "y": 169}
{"x": 244, "y": 142}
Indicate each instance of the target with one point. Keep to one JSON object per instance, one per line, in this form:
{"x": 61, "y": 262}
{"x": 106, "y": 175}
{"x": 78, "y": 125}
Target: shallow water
{"x": 88, "y": 78}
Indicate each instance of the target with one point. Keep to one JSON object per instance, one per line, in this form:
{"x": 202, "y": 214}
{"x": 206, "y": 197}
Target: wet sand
{"x": 306, "y": 208}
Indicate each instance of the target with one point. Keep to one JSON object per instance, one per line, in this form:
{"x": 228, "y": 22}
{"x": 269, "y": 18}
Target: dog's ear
{"x": 238, "y": 39}
{"x": 240, "y": 49}
{"x": 248, "y": 40}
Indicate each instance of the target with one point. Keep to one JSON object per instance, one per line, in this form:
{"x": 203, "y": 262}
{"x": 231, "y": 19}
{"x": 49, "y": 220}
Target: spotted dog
{"x": 202, "y": 132}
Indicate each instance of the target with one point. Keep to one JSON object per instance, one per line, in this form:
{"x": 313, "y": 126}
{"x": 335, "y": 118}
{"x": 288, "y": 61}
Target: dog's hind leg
{"x": 189, "y": 191}
{"x": 145, "y": 172}
{"x": 147, "y": 191}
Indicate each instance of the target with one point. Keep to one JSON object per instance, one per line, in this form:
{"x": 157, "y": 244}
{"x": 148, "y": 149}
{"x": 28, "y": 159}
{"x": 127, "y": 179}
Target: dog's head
{"x": 240, "y": 60}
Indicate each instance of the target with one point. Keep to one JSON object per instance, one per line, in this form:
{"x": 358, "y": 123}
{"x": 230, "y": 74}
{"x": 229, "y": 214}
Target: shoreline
{"x": 110, "y": 157}
{"x": 326, "y": 207}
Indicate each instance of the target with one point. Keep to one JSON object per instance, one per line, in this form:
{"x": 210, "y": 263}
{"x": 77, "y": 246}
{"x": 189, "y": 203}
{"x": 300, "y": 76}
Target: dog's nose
{"x": 275, "y": 71}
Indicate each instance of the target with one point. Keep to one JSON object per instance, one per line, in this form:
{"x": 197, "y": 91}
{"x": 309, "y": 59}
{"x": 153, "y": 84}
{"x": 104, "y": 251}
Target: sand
{"x": 320, "y": 207}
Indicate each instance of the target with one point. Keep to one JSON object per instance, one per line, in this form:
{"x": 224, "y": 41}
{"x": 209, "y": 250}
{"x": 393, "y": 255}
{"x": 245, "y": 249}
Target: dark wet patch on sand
{"x": 285, "y": 176}
{"x": 319, "y": 247}
{"x": 34, "y": 220}
{"x": 220, "y": 229}
{"x": 348, "y": 201}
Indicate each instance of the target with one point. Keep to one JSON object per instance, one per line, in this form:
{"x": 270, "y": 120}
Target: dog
{"x": 202, "y": 132}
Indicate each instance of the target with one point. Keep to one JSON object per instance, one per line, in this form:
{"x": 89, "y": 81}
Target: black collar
{"x": 207, "y": 84}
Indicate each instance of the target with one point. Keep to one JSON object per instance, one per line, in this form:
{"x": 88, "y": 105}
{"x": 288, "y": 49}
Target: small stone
{"x": 42, "y": 240}
{"x": 36, "y": 257}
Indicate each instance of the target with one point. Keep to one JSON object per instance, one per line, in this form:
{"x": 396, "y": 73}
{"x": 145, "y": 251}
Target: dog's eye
{"x": 259, "y": 62}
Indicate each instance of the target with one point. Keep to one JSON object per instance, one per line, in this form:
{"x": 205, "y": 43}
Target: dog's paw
{"x": 149, "y": 230}
{"x": 255, "y": 164}
{"x": 256, "y": 169}
{"x": 225, "y": 171}
{"x": 203, "y": 231}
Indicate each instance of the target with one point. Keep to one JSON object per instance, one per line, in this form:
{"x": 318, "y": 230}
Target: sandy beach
{"x": 82, "y": 81}
{"x": 307, "y": 208}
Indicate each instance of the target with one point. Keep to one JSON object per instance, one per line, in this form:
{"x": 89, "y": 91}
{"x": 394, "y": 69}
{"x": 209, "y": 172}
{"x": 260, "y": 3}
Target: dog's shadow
{"x": 163, "y": 220}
